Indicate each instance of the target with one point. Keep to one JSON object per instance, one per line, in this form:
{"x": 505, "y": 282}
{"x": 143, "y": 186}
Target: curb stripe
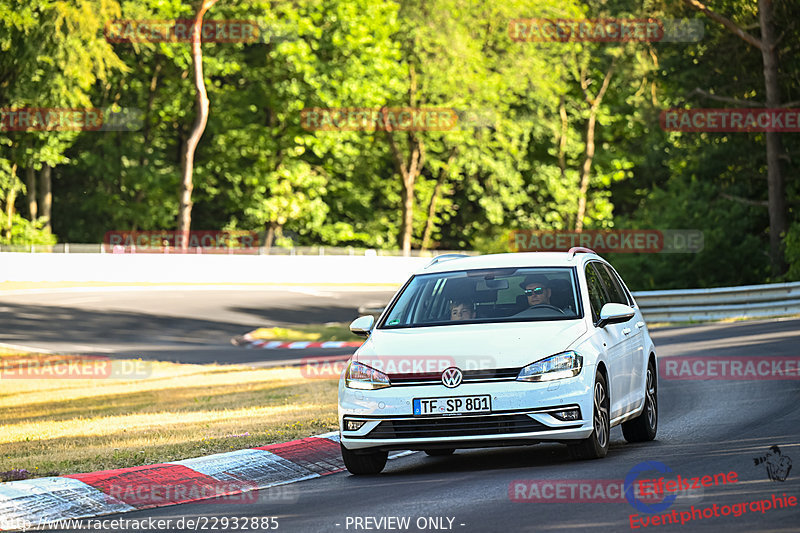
{"x": 300, "y": 345}
{"x": 296, "y": 345}
{"x": 332, "y": 435}
{"x": 47, "y": 499}
{"x": 271, "y": 344}
{"x": 210, "y": 479}
{"x": 163, "y": 484}
{"x": 321, "y": 456}
{"x": 261, "y": 468}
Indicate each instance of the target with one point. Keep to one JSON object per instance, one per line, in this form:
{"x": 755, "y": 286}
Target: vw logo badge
{"x": 451, "y": 377}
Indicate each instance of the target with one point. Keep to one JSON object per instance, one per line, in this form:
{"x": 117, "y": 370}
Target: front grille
{"x": 455, "y": 426}
{"x": 470, "y": 376}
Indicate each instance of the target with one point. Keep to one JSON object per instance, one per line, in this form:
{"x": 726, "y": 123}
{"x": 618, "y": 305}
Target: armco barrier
{"x": 748, "y": 301}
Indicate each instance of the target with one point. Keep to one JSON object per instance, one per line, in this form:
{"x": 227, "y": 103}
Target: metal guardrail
{"x": 749, "y": 301}
{"x": 693, "y": 305}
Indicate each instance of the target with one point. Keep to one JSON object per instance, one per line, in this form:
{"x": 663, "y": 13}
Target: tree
{"x": 709, "y": 181}
{"x": 187, "y": 154}
{"x": 767, "y": 45}
{"x": 594, "y": 102}
{"x": 58, "y": 55}
{"x": 469, "y": 62}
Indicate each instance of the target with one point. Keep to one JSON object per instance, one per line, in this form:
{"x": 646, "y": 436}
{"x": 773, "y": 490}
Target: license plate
{"x": 453, "y": 405}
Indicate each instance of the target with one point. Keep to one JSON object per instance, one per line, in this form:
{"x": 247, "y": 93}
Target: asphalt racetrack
{"x": 706, "y": 427}
{"x": 179, "y": 324}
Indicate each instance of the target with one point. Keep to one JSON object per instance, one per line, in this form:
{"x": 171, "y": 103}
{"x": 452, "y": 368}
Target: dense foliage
{"x": 516, "y": 159}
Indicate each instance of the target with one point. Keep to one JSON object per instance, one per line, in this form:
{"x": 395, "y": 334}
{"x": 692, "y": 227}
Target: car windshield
{"x": 485, "y": 296}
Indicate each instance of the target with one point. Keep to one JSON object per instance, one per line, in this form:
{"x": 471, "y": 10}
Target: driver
{"x": 537, "y": 289}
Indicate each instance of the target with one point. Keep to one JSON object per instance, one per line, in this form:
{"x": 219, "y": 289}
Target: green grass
{"x": 332, "y": 331}
{"x": 63, "y": 426}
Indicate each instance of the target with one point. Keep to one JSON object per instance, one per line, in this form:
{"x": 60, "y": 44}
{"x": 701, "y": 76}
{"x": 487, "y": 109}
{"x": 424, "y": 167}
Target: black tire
{"x": 596, "y": 445}
{"x": 644, "y": 427}
{"x": 440, "y": 452}
{"x": 364, "y": 464}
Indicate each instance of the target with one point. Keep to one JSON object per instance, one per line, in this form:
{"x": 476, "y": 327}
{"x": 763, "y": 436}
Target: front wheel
{"x": 643, "y": 428}
{"x": 596, "y": 445}
{"x": 369, "y": 463}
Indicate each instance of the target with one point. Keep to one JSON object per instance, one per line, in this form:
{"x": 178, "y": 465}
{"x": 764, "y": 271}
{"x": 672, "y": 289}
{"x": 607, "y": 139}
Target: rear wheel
{"x": 440, "y": 452}
{"x": 368, "y": 463}
{"x": 596, "y": 445}
{"x": 643, "y": 428}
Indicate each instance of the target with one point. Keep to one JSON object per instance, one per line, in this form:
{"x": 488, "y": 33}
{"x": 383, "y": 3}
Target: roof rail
{"x": 580, "y": 249}
{"x": 445, "y": 257}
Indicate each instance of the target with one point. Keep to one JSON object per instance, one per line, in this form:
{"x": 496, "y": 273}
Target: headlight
{"x": 559, "y": 366}
{"x": 361, "y": 376}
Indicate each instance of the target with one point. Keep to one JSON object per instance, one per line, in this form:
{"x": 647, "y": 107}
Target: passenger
{"x": 462, "y": 309}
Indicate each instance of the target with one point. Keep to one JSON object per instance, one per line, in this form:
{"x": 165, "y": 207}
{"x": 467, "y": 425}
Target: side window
{"x": 618, "y": 278}
{"x": 597, "y": 295}
{"x": 616, "y": 294}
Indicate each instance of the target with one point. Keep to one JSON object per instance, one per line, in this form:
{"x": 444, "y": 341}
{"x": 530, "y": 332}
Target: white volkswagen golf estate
{"x": 497, "y": 350}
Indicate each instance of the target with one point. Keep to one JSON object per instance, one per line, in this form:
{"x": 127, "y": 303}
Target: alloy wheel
{"x": 651, "y": 399}
{"x": 600, "y": 414}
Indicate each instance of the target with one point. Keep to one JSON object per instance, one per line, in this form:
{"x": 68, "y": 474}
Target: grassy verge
{"x": 63, "y": 426}
{"x": 332, "y": 331}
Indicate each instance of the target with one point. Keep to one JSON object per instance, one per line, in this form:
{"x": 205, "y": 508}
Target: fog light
{"x": 568, "y": 414}
{"x": 353, "y": 425}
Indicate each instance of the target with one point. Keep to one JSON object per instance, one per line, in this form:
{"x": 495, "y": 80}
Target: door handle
{"x": 640, "y": 325}
{"x": 626, "y": 331}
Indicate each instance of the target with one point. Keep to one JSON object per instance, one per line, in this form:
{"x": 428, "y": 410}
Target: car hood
{"x": 467, "y": 346}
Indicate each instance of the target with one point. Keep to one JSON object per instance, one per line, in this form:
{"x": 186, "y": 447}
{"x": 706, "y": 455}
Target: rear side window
{"x": 616, "y": 294}
{"x": 615, "y": 275}
{"x": 597, "y": 295}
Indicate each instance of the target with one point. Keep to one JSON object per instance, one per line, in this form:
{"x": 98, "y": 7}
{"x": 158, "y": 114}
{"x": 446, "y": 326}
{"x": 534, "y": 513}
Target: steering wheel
{"x": 553, "y": 307}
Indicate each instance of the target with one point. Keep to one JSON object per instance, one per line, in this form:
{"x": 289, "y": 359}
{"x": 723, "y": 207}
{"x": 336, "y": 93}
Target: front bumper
{"x": 521, "y": 414}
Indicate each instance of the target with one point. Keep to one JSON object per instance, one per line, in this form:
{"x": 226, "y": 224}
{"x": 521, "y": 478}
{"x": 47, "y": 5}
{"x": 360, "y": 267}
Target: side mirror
{"x": 362, "y": 325}
{"x": 614, "y": 314}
